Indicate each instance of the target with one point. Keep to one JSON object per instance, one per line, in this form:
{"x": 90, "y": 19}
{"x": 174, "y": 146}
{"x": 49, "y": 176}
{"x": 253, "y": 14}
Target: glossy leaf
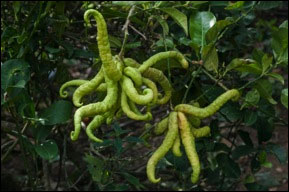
{"x": 245, "y": 136}
{"x": 242, "y": 150}
{"x": 200, "y": 23}
{"x": 59, "y": 112}
{"x": 264, "y": 87}
{"x": 47, "y": 149}
{"x": 229, "y": 167}
{"x": 179, "y": 17}
{"x": 284, "y": 97}
{"x": 163, "y": 23}
{"x": 250, "y": 117}
{"x": 235, "y": 5}
{"x": 14, "y": 72}
{"x": 213, "y": 32}
{"x": 210, "y": 58}
{"x": 279, "y": 151}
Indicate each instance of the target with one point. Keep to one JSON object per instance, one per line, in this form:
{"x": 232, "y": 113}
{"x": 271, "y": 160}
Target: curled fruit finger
{"x": 212, "y": 108}
{"x": 188, "y": 141}
{"x": 131, "y": 114}
{"x": 87, "y": 88}
{"x": 134, "y": 74}
{"x": 76, "y": 82}
{"x": 163, "y": 55}
{"x": 150, "y": 84}
{"x": 128, "y": 86}
{"x": 94, "y": 124}
{"x": 161, "y": 126}
{"x": 95, "y": 108}
{"x": 177, "y": 146}
{"x": 201, "y": 132}
{"x": 164, "y": 148}
{"x": 156, "y": 76}
{"x": 109, "y": 64}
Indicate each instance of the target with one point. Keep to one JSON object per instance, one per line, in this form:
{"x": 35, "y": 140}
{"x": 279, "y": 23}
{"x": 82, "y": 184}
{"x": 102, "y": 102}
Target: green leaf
{"x": 133, "y": 139}
{"x": 267, "y": 164}
{"x": 111, "y": 12}
{"x": 231, "y": 111}
{"x": 179, "y": 17}
{"x": 200, "y": 23}
{"x": 163, "y": 23}
{"x": 52, "y": 50}
{"x": 118, "y": 146}
{"x": 255, "y": 165}
{"x": 242, "y": 150}
{"x": 114, "y": 41}
{"x": 250, "y": 117}
{"x": 69, "y": 48}
{"x": 258, "y": 55}
{"x": 218, "y": 3}
{"x": 95, "y": 167}
{"x": 27, "y": 109}
{"x": 229, "y": 167}
{"x": 252, "y": 97}
{"x": 266, "y": 62}
{"x": 47, "y": 149}
{"x": 213, "y": 32}
{"x": 245, "y": 136}
{"x": 244, "y": 65}
{"x": 262, "y": 156}
{"x": 14, "y": 72}
{"x": 7, "y": 34}
{"x": 280, "y": 45}
{"x": 118, "y": 130}
{"x": 59, "y": 112}
{"x": 250, "y": 179}
{"x": 133, "y": 180}
{"x": 280, "y": 152}
{"x": 266, "y": 5}
{"x": 284, "y": 24}
{"x": 133, "y": 45}
{"x": 255, "y": 187}
{"x": 210, "y": 57}
{"x": 236, "y": 5}
{"x": 277, "y": 77}
{"x": 267, "y": 179}
{"x": 129, "y": 3}
{"x": 284, "y": 97}
{"x": 265, "y": 129}
{"x": 264, "y": 87}
{"x": 84, "y": 53}
{"x": 221, "y": 147}
{"x": 41, "y": 132}
{"x": 161, "y": 43}
{"x": 16, "y": 7}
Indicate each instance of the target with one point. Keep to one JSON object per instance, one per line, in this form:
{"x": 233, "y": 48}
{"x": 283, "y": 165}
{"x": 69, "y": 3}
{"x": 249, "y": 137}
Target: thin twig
{"x": 14, "y": 144}
{"x": 47, "y": 184}
{"x": 214, "y": 79}
{"x": 125, "y": 29}
{"x": 138, "y": 32}
{"x": 190, "y": 85}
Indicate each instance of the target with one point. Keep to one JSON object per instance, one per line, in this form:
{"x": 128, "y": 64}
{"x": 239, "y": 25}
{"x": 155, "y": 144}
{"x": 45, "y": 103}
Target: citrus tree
{"x": 142, "y": 95}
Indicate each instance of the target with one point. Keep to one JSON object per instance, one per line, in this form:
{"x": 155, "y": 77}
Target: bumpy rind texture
{"x": 212, "y": 108}
{"x": 95, "y": 108}
{"x": 130, "y": 90}
{"x": 76, "y": 82}
{"x": 103, "y": 45}
{"x": 164, "y": 148}
{"x": 130, "y": 113}
{"x": 188, "y": 141}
